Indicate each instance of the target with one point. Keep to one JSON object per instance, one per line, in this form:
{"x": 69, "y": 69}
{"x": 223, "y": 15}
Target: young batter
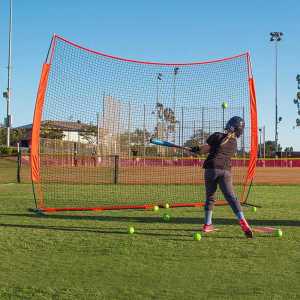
{"x": 220, "y": 148}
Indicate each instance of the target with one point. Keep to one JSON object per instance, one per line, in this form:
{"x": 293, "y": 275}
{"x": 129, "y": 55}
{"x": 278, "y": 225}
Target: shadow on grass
{"x": 155, "y": 219}
{"x": 184, "y": 236}
{"x": 109, "y": 231}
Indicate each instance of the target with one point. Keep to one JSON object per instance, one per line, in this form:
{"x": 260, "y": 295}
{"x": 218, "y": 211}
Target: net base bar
{"x": 124, "y": 207}
{"x": 251, "y": 205}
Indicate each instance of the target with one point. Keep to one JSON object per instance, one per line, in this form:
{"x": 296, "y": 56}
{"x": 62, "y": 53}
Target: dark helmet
{"x": 236, "y": 125}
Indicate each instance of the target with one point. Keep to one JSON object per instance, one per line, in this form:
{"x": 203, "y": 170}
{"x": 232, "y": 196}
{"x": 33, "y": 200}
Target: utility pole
{"x": 264, "y": 141}
{"x": 7, "y": 93}
{"x": 260, "y": 145}
{"x": 276, "y": 37}
{"x": 176, "y": 69}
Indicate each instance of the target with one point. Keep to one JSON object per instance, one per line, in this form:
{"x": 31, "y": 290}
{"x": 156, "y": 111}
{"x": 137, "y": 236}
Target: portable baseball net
{"x": 94, "y": 117}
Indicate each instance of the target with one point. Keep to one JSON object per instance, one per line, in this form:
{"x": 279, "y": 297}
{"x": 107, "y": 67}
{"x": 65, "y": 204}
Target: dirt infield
{"x": 194, "y": 175}
{"x": 277, "y": 176}
{"x": 170, "y": 175}
{"x": 145, "y": 174}
{"x": 162, "y": 175}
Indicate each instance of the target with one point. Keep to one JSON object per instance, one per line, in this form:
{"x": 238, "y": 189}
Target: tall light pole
{"x": 176, "y": 69}
{"x": 158, "y": 105}
{"x": 260, "y": 148}
{"x": 264, "y": 140}
{"x": 7, "y": 93}
{"x": 276, "y": 37}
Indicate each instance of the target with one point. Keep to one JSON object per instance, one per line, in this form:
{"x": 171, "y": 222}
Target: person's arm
{"x": 201, "y": 149}
{"x": 205, "y": 149}
{"x": 213, "y": 139}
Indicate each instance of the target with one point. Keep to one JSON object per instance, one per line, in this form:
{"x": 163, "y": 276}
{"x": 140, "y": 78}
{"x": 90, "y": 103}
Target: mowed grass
{"x": 8, "y": 169}
{"x": 91, "y": 255}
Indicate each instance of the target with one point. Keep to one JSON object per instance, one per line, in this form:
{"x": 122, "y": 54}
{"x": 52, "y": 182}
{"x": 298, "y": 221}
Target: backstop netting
{"x": 96, "y": 113}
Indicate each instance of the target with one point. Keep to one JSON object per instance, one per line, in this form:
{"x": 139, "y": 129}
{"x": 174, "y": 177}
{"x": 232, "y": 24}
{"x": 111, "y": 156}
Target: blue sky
{"x": 165, "y": 31}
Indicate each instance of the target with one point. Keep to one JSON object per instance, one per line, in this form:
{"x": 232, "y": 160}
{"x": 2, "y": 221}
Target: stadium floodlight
{"x": 64, "y": 173}
{"x": 276, "y": 37}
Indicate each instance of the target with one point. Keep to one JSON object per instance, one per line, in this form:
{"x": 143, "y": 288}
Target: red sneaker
{"x": 208, "y": 228}
{"x": 246, "y": 228}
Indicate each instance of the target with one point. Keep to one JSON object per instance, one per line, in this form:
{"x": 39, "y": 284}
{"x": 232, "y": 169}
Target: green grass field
{"x": 8, "y": 169}
{"x": 91, "y": 256}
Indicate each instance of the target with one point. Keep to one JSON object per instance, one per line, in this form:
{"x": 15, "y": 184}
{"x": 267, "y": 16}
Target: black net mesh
{"x": 100, "y": 112}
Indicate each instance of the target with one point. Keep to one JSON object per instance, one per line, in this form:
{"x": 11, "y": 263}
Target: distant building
{"x": 70, "y": 131}
{"x": 106, "y": 135}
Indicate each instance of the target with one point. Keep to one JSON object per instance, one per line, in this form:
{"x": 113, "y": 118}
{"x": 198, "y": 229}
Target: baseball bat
{"x": 168, "y": 144}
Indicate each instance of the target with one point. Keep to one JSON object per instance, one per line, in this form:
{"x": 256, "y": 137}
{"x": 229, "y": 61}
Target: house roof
{"x": 28, "y": 126}
{"x": 63, "y": 125}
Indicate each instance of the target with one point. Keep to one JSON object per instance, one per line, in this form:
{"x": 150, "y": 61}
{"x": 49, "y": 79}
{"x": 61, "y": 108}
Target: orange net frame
{"x": 95, "y": 115}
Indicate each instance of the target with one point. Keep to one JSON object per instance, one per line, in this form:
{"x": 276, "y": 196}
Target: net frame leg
{"x": 122, "y": 207}
{"x": 245, "y": 203}
{"x": 37, "y": 211}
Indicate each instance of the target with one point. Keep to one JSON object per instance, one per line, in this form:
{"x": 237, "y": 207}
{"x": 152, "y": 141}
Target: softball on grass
{"x": 197, "y": 236}
{"x": 156, "y": 208}
{"x": 167, "y": 205}
{"x": 224, "y": 105}
{"x": 166, "y": 217}
{"x": 254, "y": 208}
{"x": 131, "y": 230}
{"x": 279, "y": 233}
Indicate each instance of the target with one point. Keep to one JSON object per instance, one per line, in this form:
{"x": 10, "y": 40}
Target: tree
{"x": 270, "y": 147}
{"x": 16, "y": 135}
{"x": 166, "y": 122}
{"x": 137, "y": 137}
{"x": 199, "y": 137}
{"x": 88, "y": 133}
{"x": 135, "y": 140}
{"x": 2, "y": 135}
{"x": 288, "y": 150}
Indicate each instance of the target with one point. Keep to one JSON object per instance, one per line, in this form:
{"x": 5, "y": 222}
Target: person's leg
{"x": 211, "y": 181}
{"x": 225, "y": 183}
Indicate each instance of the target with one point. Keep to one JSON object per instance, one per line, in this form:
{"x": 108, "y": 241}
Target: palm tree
{"x": 166, "y": 121}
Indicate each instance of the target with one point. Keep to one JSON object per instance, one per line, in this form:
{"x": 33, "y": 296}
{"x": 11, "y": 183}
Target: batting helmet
{"x": 236, "y": 125}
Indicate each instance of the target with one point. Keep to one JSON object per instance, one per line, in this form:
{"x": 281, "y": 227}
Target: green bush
{"x": 8, "y": 150}
{"x": 4, "y": 150}
{"x": 14, "y": 151}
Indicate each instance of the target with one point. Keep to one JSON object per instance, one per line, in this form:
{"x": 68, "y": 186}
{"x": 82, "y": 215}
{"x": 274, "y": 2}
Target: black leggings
{"x": 215, "y": 177}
